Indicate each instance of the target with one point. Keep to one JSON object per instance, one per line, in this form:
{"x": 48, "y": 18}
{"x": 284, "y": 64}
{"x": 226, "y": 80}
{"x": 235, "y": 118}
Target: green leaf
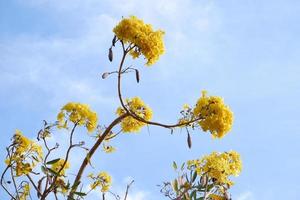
{"x": 52, "y": 161}
{"x": 182, "y": 166}
{"x": 35, "y": 158}
{"x": 44, "y": 170}
{"x": 174, "y": 165}
{"x": 80, "y": 194}
{"x": 193, "y": 195}
{"x": 175, "y": 185}
{"x": 194, "y": 176}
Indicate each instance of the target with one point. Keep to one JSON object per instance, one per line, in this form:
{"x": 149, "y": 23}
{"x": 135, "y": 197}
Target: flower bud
{"x": 105, "y": 75}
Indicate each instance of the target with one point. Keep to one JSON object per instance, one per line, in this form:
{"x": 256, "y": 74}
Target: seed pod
{"x": 113, "y": 42}
{"x": 137, "y": 75}
{"x": 189, "y": 140}
{"x": 110, "y": 54}
{"x": 105, "y": 75}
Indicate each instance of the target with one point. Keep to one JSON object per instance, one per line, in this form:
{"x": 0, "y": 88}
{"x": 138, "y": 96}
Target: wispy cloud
{"x": 248, "y": 195}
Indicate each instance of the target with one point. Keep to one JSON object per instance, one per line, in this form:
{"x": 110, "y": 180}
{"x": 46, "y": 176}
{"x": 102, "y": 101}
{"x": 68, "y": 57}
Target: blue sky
{"x": 54, "y": 51}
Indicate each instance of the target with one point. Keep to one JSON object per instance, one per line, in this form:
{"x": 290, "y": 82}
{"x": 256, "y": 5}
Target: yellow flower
{"x": 77, "y": 113}
{"x": 186, "y": 106}
{"x": 216, "y": 116}
{"x": 216, "y": 197}
{"x": 108, "y": 148}
{"x": 139, "y": 108}
{"x": 57, "y": 166}
{"x": 25, "y": 193}
{"x": 102, "y": 180}
{"x": 218, "y": 166}
{"x": 147, "y": 41}
{"x": 25, "y": 154}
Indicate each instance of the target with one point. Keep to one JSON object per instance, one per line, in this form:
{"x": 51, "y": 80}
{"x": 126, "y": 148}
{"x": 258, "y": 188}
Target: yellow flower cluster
{"x": 25, "y": 154}
{"x": 25, "y": 193}
{"x": 138, "y": 107}
{"x": 216, "y": 197}
{"x": 148, "y": 42}
{"x": 57, "y": 166}
{"x": 218, "y": 166}
{"x": 77, "y": 113}
{"x": 102, "y": 180}
{"x": 217, "y": 117}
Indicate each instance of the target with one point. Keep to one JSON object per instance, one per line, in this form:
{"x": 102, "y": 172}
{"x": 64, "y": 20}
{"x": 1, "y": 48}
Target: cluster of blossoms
{"x": 60, "y": 167}
{"x": 24, "y": 154}
{"x": 218, "y": 166}
{"x": 24, "y": 194}
{"x": 102, "y": 180}
{"x": 79, "y": 114}
{"x": 216, "y": 197}
{"x": 146, "y": 41}
{"x": 139, "y": 108}
{"x": 216, "y": 116}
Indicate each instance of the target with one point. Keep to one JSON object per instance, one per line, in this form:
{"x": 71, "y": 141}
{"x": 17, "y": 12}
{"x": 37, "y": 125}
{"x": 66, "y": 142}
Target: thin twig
{"x": 127, "y": 189}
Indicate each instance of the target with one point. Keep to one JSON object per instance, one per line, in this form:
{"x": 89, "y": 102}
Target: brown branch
{"x": 2, "y": 178}
{"x": 127, "y": 189}
{"x": 35, "y": 187}
{"x": 91, "y": 153}
{"x": 131, "y": 113}
{"x": 47, "y": 191}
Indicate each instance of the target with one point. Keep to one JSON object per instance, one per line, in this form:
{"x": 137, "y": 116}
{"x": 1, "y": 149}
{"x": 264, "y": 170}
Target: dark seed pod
{"x": 110, "y": 54}
{"x": 114, "y": 40}
{"x": 189, "y": 140}
{"x": 137, "y": 75}
{"x": 105, "y": 75}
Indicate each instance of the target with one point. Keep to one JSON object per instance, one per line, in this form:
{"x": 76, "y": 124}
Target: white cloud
{"x": 50, "y": 64}
{"x": 246, "y": 196}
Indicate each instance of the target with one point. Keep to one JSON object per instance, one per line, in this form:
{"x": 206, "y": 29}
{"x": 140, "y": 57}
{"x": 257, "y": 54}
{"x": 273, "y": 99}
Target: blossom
{"x": 25, "y": 192}
{"x": 25, "y": 154}
{"x": 77, "y": 113}
{"x": 139, "y": 108}
{"x": 218, "y": 166}
{"x": 216, "y": 197}
{"x": 146, "y": 41}
{"x": 108, "y": 148}
{"x": 102, "y": 180}
{"x": 60, "y": 166}
{"x": 216, "y": 116}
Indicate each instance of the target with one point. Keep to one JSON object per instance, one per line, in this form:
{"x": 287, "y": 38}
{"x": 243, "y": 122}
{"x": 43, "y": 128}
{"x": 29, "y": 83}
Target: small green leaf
{"x": 194, "y": 176}
{"x": 193, "y": 195}
{"x": 182, "y": 166}
{"x": 53, "y": 161}
{"x": 80, "y": 194}
{"x": 174, "y": 165}
{"x": 175, "y": 185}
{"x": 44, "y": 170}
